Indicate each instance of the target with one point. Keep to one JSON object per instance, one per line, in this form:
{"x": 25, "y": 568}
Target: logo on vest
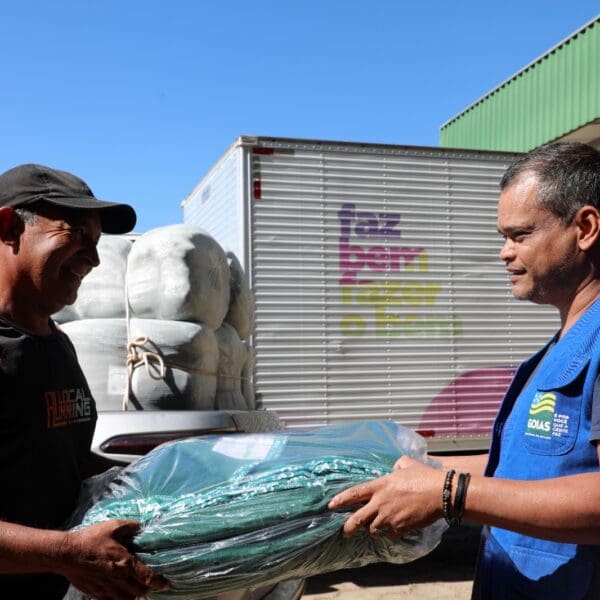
{"x": 541, "y": 415}
{"x": 543, "y": 421}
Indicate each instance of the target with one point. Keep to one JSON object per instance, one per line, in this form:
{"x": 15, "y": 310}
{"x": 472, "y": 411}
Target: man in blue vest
{"x": 538, "y": 490}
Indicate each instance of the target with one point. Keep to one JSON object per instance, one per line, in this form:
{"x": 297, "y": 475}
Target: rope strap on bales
{"x": 155, "y": 364}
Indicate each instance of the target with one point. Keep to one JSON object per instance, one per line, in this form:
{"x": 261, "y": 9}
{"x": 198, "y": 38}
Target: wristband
{"x": 460, "y": 498}
{"x": 447, "y": 497}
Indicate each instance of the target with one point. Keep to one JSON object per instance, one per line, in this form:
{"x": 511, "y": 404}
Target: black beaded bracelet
{"x": 460, "y": 498}
{"x": 447, "y": 497}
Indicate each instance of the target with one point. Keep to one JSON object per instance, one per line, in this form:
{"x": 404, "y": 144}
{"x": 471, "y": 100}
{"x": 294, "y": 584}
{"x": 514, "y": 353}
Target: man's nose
{"x": 507, "y": 252}
{"x": 92, "y": 256}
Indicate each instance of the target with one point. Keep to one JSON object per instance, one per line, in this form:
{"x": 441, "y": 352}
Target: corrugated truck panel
{"x": 379, "y": 291}
{"x": 216, "y": 204}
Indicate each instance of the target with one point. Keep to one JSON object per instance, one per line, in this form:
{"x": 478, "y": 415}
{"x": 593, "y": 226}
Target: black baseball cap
{"x": 26, "y": 184}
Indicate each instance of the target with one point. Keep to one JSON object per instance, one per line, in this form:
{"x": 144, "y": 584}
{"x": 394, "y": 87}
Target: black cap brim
{"x": 114, "y": 217}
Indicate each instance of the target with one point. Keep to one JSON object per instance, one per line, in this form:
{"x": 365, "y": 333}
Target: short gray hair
{"x": 27, "y": 215}
{"x": 567, "y": 173}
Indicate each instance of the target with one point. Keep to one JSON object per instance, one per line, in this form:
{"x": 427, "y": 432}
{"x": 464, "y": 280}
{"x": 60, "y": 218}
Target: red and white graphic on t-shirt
{"x": 65, "y": 407}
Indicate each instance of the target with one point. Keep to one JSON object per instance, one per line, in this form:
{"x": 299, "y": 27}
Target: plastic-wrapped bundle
{"x": 232, "y": 356}
{"x": 221, "y": 513}
{"x": 241, "y": 302}
{"x": 101, "y": 346}
{"x": 102, "y": 292}
{"x": 178, "y": 273}
{"x": 189, "y": 355}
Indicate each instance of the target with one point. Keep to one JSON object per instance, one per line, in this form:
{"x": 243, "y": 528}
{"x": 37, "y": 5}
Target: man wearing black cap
{"x": 50, "y": 223}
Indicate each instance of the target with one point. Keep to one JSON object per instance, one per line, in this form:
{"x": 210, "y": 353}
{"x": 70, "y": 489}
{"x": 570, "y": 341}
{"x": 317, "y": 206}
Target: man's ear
{"x": 11, "y": 226}
{"x": 587, "y": 220}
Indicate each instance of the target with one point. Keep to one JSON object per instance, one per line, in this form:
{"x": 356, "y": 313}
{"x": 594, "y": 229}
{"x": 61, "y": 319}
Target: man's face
{"x": 56, "y": 253}
{"x": 541, "y": 254}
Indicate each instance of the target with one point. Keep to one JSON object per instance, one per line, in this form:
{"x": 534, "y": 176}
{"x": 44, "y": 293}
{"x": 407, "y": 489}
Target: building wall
{"x": 555, "y": 97}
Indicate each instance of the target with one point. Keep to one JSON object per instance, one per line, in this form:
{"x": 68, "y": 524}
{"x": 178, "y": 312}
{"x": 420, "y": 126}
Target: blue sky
{"x": 141, "y": 97}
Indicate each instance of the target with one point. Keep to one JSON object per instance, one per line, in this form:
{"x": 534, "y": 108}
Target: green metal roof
{"x": 551, "y": 97}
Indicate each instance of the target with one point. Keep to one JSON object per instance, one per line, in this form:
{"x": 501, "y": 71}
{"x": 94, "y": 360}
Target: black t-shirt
{"x": 47, "y": 420}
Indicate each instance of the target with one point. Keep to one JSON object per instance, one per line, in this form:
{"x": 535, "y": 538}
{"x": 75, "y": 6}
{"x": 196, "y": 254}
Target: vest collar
{"x": 572, "y": 352}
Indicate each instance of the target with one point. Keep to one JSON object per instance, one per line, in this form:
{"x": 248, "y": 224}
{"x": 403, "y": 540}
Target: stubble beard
{"x": 551, "y": 288}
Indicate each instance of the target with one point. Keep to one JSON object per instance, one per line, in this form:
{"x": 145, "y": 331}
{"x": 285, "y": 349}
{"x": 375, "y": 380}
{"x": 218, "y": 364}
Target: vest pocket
{"x": 550, "y": 419}
{"x": 512, "y": 571}
{"x": 540, "y": 574}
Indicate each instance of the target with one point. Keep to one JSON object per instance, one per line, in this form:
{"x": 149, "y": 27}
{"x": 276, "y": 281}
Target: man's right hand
{"x": 96, "y": 561}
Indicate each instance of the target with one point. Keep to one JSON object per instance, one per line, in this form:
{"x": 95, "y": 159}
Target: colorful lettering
{"x": 366, "y": 224}
{"x": 353, "y": 325}
{"x": 361, "y": 263}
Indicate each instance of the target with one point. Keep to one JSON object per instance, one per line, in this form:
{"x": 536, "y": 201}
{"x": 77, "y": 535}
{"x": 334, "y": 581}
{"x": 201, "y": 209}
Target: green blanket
{"x": 220, "y": 513}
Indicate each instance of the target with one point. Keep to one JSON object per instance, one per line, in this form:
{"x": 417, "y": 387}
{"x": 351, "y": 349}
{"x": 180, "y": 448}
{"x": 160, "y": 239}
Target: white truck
{"x": 378, "y": 288}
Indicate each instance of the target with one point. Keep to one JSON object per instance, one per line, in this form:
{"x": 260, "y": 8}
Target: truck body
{"x": 379, "y": 293}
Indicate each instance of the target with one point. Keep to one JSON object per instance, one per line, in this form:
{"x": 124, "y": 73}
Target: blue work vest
{"x": 542, "y": 431}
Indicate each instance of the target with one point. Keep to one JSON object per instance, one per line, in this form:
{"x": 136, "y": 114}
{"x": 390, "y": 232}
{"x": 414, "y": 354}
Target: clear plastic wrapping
{"x": 220, "y": 513}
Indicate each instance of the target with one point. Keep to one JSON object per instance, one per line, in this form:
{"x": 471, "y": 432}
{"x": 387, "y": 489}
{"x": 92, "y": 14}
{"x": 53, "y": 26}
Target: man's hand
{"x": 97, "y": 563}
{"x": 407, "y": 499}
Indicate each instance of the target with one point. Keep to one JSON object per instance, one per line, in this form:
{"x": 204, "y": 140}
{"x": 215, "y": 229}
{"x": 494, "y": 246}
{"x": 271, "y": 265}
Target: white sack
{"x": 241, "y": 302}
{"x": 178, "y": 273}
{"x": 247, "y": 377}
{"x": 68, "y": 313}
{"x": 190, "y": 355}
{"x": 102, "y": 292}
{"x": 232, "y": 355}
{"x": 102, "y": 350}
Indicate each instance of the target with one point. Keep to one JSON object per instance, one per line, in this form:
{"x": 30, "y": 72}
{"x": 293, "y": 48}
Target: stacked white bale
{"x": 188, "y": 351}
{"x": 247, "y": 377}
{"x": 68, "y": 313}
{"x": 241, "y": 303}
{"x": 240, "y": 316}
{"x": 178, "y": 273}
{"x": 232, "y": 355}
{"x": 178, "y": 281}
{"x": 192, "y": 303}
{"x": 101, "y": 346}
{"x": 189, "y": 355}
{"x": 102, "y": 292}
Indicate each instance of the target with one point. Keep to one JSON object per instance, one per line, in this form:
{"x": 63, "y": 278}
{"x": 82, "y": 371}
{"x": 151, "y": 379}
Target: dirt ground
{"x": 445, "y": 574}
